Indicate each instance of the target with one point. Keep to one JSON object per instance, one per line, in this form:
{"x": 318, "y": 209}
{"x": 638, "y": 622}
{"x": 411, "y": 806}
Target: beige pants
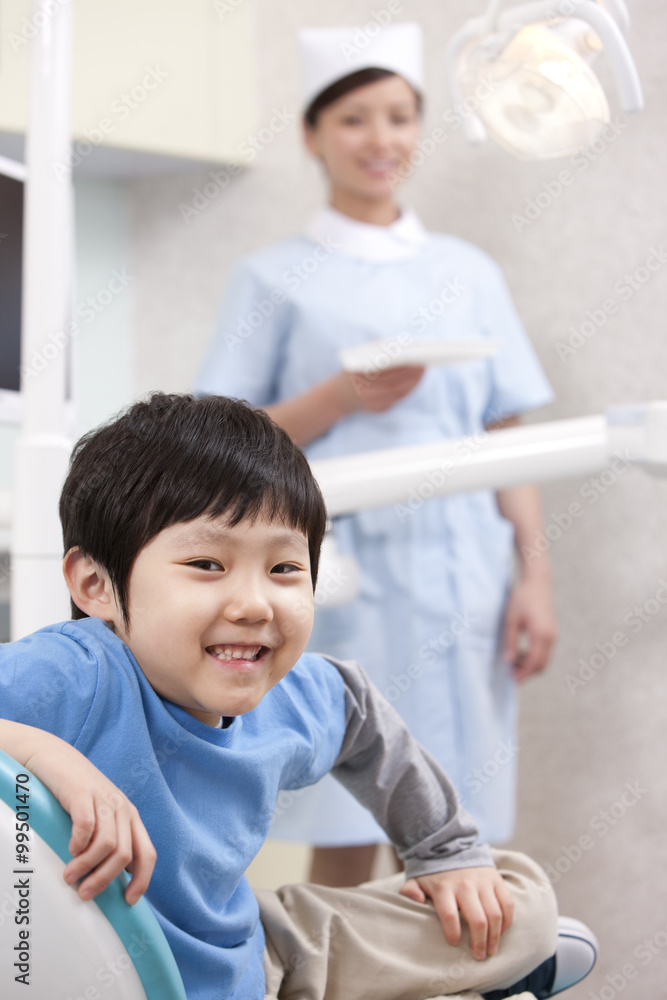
{"x": 370, "y": 943}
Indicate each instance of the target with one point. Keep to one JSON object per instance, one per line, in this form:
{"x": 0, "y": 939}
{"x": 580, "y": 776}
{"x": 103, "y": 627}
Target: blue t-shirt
{"x": 205, "y": 795}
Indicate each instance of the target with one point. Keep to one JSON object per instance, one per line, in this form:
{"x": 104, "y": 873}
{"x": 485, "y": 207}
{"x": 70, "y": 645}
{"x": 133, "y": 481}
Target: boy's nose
{"x": 249, "y": 604}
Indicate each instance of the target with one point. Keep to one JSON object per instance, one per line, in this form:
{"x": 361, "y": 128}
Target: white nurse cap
{"x": 329, "y": 54}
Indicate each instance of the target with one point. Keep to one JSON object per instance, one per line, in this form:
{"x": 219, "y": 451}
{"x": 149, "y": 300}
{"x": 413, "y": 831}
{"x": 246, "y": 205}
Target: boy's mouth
{"x": 237, "y": 652}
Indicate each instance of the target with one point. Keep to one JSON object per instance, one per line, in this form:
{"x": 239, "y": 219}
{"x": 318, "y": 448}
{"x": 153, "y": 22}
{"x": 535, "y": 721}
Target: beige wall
{"x": 583, "y": 747}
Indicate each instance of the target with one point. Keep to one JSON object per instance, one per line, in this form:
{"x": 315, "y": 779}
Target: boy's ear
{"x": 89, "y": 586}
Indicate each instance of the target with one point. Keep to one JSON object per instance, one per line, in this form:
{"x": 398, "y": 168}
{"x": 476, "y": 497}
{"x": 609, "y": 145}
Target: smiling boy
{"x": 167, "y": 716}
{"x": 211, "y": 617}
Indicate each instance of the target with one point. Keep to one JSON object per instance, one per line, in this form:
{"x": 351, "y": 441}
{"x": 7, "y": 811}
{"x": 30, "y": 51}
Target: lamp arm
{"x": 618, "y": 11}
{"x": 492, "y": 14}
{"x": 473, "y": 129}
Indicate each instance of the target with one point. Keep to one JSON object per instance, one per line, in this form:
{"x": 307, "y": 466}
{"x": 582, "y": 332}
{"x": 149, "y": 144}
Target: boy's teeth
{"x": 236, "y": 652}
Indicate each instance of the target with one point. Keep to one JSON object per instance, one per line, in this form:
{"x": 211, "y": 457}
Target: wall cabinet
{"x": 153, "y": 78}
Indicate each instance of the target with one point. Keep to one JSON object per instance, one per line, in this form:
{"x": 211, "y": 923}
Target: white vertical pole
{"x": 38, "y": 593}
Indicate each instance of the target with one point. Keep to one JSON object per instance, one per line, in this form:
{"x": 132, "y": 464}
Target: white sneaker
{"x": 576, "y": 952}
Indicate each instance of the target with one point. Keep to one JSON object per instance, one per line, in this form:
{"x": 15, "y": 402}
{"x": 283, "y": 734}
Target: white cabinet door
{"x": 170, "y": 77}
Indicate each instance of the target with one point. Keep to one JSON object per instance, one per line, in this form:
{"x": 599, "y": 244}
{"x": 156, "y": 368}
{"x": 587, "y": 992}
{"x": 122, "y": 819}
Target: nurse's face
{"x": 365, "y": 139}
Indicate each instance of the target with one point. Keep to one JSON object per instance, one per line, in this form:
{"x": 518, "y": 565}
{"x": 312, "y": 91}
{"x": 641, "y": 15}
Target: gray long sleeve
{"x": 407, "y": 791}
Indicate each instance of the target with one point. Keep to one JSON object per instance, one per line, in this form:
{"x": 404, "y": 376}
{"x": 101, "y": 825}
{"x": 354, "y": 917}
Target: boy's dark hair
{"x": 344, "y": 86}
{"x": 172, "y": 458}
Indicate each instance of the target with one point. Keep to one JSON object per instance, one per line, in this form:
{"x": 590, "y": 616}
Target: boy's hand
{"x": 107, "y": 833}
{"x": 481, "y": 896}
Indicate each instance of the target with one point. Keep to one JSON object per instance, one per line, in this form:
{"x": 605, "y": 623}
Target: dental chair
{"x": 51, "y": 940}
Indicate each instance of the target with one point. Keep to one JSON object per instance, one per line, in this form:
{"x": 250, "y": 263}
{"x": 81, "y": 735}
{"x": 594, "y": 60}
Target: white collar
{"x": 365, "y": 241}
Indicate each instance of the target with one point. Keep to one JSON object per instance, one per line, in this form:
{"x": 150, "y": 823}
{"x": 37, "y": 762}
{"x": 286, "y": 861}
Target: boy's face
{"x": 219, "y": 614}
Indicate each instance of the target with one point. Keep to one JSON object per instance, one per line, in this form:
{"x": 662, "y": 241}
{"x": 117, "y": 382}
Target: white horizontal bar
{"x": 494, "y": 460}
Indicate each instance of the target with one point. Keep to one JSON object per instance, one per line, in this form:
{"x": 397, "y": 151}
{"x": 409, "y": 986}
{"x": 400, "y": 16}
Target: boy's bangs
{"x": 220, "y": 474}
{"x": 278, "y": 504}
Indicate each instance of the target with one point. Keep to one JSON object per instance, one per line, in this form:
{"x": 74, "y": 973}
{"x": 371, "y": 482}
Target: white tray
{"x": 378, "y": 355}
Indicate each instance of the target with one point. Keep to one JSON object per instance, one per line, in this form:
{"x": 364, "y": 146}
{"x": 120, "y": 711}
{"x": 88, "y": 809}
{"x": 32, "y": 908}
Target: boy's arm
{"x": 107, "y": 833}
{"x": 407, "y": 791}
{"x": 414, "y": 801}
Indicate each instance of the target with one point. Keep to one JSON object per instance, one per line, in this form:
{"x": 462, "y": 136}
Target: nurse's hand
{"x": 312, "y": 413}
{"x": 378, "y": 391}
{"x": 530, "y": 625}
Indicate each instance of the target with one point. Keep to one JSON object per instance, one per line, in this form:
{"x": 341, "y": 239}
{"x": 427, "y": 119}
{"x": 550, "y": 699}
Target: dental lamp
{"x": 523, "y": 75}
{"x": 634, "y": 434}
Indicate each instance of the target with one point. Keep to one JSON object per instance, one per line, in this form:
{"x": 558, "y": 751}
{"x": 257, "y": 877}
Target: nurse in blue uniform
{"x": 441, "y": 616}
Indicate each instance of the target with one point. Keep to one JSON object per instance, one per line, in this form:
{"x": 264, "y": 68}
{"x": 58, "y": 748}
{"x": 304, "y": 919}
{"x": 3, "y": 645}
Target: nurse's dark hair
{"x": 344, "y": 86}
{"x": 172, "y": 458}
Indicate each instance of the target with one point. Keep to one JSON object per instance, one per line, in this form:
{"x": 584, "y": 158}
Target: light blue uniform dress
{"x": 434, "y": 579}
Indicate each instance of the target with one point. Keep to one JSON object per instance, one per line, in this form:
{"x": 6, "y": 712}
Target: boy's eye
{"x": 286, "y": 568}
{"x": 208, "y": 564}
